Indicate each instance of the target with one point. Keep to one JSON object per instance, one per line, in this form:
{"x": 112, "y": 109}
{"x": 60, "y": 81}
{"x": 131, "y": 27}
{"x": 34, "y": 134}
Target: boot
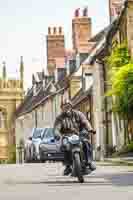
{"x": 68, "y": 170}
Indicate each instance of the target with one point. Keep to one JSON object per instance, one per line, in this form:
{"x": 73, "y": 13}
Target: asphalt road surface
{"x": 45, "y": 181}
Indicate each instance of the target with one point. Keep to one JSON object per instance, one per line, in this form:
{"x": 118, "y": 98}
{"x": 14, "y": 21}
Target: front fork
{"x": 79, "y": 150}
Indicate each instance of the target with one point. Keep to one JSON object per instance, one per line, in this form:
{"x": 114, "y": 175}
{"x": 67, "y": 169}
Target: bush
{"x": 129, "y": 147}
{"x": 125, "y": 149}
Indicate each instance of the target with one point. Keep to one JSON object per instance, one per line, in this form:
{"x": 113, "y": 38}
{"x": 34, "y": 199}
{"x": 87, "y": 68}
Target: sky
{"x": 24, "y": 26}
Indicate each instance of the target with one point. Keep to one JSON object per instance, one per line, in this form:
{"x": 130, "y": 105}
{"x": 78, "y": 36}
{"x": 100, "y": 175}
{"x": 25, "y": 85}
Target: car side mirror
{"x": 57, "y": 137}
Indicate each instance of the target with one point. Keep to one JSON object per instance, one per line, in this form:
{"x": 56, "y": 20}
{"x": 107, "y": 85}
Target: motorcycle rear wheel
{"x": 77, "y": 167}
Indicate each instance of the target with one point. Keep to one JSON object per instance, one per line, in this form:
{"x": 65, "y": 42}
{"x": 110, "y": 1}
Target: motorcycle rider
{"x": 69, "y": 121}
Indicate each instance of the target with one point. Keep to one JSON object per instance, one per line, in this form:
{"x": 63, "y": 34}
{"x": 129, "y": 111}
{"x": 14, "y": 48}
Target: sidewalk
{"x": 125, "y": 161}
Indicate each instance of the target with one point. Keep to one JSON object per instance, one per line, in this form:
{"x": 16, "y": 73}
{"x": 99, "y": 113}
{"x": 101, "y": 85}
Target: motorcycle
{"x": 73, "y": 144}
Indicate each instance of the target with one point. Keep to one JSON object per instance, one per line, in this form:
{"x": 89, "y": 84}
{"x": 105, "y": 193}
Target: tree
{"x": 122, "y": 88}
{"x": 118, "y": 57}
{"x": 121, "y": 78}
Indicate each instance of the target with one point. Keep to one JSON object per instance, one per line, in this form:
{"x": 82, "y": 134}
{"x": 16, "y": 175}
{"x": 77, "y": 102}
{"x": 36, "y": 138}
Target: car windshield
{"x": 37, "y": 133}
{"x": 49, "y": 133}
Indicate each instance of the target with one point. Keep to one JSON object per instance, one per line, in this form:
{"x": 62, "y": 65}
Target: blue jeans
{"x": 88, "y": 153}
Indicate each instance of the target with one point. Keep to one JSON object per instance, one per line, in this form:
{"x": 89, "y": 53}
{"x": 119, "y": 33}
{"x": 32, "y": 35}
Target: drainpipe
{"x": 100, "y": 61}
{"x": 106, "y": 108}
{"x": 36, "y": 119}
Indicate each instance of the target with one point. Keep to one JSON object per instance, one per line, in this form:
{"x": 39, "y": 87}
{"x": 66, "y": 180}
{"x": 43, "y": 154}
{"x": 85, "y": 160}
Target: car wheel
{"x": 27, "y": 155}
{"x": 33, "y": 153}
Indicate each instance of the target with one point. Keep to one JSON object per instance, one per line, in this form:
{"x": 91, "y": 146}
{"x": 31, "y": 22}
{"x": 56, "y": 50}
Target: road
{"x": 45, "y": 181}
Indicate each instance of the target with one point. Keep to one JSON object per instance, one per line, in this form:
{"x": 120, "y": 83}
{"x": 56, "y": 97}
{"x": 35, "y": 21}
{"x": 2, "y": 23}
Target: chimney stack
{"x": 76, "y": 14}
{"x": 55, "y": 31}
{"x": 49, "y": 30}
{"x": 60, "y": 30}
{"x": 55, "y": 49}
{"x": 81, "y": 31}
{"x": 85, "y": 12}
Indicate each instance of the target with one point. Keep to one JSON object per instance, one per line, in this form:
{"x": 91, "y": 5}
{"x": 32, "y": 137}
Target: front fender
{"x": 76, "y": 149}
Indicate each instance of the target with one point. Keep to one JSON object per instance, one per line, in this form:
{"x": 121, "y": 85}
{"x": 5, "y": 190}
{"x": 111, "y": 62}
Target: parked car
{"x": 50, "y": 148}
{"x": 31, "y": 150}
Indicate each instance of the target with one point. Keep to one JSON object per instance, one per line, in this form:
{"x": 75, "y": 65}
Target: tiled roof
{"x": 27, "y": 98}
{"x": 81, "y": 96}
{"x": 103, "y": 37}
{"x": 63, "y": 83}
{"x": 99, "y": 35}
{"x": 40, "y": 75}
{"x": 32, "y": 101}
{"x": 102, "y": 41}
{"x": 83, "y": 56}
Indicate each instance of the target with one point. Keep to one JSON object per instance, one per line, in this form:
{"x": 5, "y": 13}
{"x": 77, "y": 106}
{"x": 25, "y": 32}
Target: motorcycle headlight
{"x": 74, "y": 138}
{"x": 65, "y": 141}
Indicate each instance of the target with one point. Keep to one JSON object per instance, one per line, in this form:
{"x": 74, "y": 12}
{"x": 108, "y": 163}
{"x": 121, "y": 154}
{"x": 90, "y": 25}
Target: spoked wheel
{"x": 78, "y": 168}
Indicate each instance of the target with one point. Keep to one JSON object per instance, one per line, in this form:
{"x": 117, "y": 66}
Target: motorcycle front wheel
{"x": 77, "y": 167}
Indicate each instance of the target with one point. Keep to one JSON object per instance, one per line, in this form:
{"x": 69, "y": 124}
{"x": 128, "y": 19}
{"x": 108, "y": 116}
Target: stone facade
{"x": 75, "y": 85}
{"x": 109, "y": 127}
{"x": 130, "y": 25}
{"x": 11, "y": 95}
{"x": 41, "y": 115}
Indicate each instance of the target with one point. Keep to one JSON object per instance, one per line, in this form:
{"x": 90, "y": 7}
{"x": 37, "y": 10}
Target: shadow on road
{"x": 58, "y": 183}
{"x": 121, "y": 179}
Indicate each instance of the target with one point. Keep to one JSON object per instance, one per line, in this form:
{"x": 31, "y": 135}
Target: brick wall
{"x": 55, "y": 48}
{"x": 81, "y": 33}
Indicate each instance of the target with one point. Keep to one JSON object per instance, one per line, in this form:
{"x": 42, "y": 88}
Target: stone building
{"x": 109, "y": 127}
{"x": 84, "y": 81}
{"x": 39, "y": 108}
{"x": 11, "y": 95}
{"x": 42, "y": 103}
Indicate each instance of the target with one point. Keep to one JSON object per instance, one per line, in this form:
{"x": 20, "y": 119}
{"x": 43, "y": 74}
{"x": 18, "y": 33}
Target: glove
{"x": 92, "y": 131}
{"x": 75, "y": 131}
